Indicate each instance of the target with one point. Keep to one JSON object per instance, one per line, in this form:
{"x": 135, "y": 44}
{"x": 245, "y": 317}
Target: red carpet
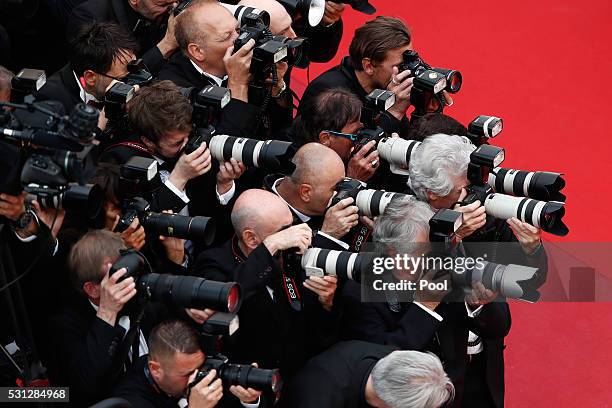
{"x": 542, "y": 66}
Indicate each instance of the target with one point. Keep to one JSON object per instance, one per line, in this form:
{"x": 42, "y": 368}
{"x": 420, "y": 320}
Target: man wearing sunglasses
{"x": 332, "y": 119}
{"x": 100, "y": 54}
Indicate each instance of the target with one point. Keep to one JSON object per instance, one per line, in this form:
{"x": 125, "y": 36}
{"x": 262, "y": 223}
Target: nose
{"x": 291, "y": 33}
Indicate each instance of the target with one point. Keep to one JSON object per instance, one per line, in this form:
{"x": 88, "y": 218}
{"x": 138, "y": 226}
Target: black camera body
{"x": 267, "y": 51}
{"x": 376, "y": 102}
{"x": 115, "y": 101}
{"x": 429, "y": 83}
{"x": 346, "y": 188}
{"x": 138, "y": 74}
{"x": 244, "y": 375}
{"x": 297, "y": 50}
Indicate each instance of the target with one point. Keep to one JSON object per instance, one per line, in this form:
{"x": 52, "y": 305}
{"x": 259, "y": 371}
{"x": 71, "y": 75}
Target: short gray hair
{"x": 403, "y": 219}
{"x": 438, "y": 160}
{"x": 5, "y": 78}
{"x": 412, "y": 379}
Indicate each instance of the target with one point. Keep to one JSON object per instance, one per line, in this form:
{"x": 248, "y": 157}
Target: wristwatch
{"x": 282, "y": 91}
{"x": 23, "y": 221}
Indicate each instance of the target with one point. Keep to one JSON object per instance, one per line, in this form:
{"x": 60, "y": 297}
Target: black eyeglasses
{"x": 349, "y": 136}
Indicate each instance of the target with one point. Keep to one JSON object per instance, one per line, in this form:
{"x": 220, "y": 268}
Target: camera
{"x": 240, "y": 13}
{"x": 370, "y": 202}
{"x": 169, "y": 225}
{"x": 428, "y": 83}
{"x": 397, "y": 152}
{"x": 267, "y": 52}
{"x": 297, "y": 50}
{"x": 183, "y": 291}
{"x": 138, "y": 74}
{"x": 539, "y": 185}
{"x": 376, "y": 102}
{"x": 207, "y": 103}
{"x": 26, "y": 82}
{"x": 244, "y": 375}
{"x": 545, "y": 215}
{"x": 115, "y": 102}
{"x": 510, "y": 280}
{"x": 483, "y": 128}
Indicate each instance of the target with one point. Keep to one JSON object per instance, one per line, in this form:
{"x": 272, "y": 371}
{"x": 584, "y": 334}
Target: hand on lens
{"x": 340, "y": 218}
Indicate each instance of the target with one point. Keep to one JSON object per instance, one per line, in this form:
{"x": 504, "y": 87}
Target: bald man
{"x": 308, "y": 191}
{"x": 284, "y": 318}
{"x": 206, "y": 32}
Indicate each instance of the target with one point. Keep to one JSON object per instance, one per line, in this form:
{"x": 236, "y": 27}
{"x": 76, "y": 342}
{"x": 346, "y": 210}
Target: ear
{"x": 92, "y": 290}
{"x": 367, "y": 65}
{"x": 325, "y": 138}
{"x": 147, "y": 142}
{"x": 195, "y": 52}
{"x": 89, "y": 78}
{"x": 155, "y": 369}
{"x": 432, "y": 197}
{"x": 133, "y": 4}
{"x": 305, "y": 192}
{"x": 250, "y": 238}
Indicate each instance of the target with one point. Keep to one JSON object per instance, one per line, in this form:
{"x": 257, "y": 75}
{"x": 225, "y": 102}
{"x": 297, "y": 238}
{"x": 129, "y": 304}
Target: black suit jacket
{"x": 413, "y": 328}
{"x": 85, "y": 349}
{"x": 62, "y": 87}
{"x": 238, "y": 118}
{"x": 335, "y": 378}
{"x": 271, "y": 333}
{"x": 119, "y": 11}
{"x": 323, "y": 41}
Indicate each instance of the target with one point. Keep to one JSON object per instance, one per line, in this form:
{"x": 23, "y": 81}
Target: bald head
{"x": 316, "y": 164}
{"x": 260, "y": 211}
{"x": 280, "y": 20}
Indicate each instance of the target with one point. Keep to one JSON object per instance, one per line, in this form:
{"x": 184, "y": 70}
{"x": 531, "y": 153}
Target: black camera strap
{"x": 361, "y": 236}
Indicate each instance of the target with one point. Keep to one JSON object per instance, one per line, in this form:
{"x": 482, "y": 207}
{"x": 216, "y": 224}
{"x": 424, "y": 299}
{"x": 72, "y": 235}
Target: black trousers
{"x": 476, "y": 392}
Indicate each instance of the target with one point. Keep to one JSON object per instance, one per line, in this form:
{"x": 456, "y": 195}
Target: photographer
{"x": 467, "y": 335}
{"x": 374, "y": 54}
{"x": 308, "y": 191}
{"x": 438, "y": 176}
{"x": 94, "y": 337}
{"x": 324, "y": 39}
{"x": 332, "y": 119}
{"x": 434, "y": 123}
{"x": 356, "y": 374}
{"x": 162, "y": 379}
{"x": 205, "y": 31}
{"x": 275, "y": 329}
{"x": 150, "y": 22}
{"x": 100, "y": 53}
{"x": 161, "y": 118}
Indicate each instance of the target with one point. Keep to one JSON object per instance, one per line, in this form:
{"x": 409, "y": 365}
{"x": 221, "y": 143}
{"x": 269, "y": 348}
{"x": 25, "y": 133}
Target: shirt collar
{"x": 85, "y": 97}
{"x": 302, "y": 217}
{"x": 217, "y": 80}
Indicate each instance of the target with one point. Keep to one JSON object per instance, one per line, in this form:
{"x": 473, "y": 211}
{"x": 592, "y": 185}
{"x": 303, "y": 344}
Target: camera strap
{"x": 360, "y": 237}
{"x": 133, "y": 145}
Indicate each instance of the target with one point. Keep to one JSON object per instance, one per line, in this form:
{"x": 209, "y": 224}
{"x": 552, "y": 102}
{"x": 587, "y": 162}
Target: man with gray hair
{"x": 431, "y": 321}
{"x": 359, "y": 374}
{"x": 5, "y": 84}
{"x": 438, "y": 176}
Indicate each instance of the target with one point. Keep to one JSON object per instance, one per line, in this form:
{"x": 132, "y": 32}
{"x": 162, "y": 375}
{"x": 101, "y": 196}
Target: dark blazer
{"x": 85, "y": 348}
{"x": 315, "y": 223}
{"x": 335, "y": 378}
{"x": 61, "y": 86}
{"x": 271, "y": 333}
{"x": 118, "y": 11}
{"x": 238, "y": 118}
{"x": 414, "y": 329}
{"x": 323, "y": 41}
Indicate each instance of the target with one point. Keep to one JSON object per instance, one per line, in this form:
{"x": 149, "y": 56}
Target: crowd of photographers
{"x": 180, "y": 229}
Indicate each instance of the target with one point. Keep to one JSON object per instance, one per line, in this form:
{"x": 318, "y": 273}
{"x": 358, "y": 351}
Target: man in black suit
{"x": 374, "y": 54}
{"x": 357, "y": 374}
{"x": 308, "y": 192}
{"x": 150, "y": 23}
{"x": 100, "y": 53}
{"x": 284, "y": 318}
{"x": 162, "y": 379}
{"x": 204, "y": 32}
{"x": 467, "y": 335}
{"x": 95, "y": 337}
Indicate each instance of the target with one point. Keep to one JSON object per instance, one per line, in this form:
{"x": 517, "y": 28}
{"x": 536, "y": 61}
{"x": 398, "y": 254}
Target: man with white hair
{"x": 467, "y": 336}
{"x": 438, "y": 176}
{"x": 358, "y": 374}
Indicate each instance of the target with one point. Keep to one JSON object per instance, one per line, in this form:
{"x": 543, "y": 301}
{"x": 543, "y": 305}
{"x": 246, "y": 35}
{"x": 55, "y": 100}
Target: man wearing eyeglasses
{"x": 100, "y": 54}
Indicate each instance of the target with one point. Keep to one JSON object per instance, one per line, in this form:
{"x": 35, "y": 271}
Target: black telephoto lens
{"x": 251, "y": 377}
{"x": 173, "y": 225}
{"x": 82, "y": 122}
{"x": 192, "y": 292}
{"x": 130, "y": 260}
{"x": 87, "y": 200}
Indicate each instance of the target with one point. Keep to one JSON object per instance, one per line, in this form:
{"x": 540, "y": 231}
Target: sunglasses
{"x": 349, "y": 136}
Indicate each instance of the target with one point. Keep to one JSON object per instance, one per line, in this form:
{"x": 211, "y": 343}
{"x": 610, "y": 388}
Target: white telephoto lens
{"x": 363, "y": 200}
{"x": 257, "y": 151}
{"x": 216, "y": 146}
{"x": 237, "y": 148}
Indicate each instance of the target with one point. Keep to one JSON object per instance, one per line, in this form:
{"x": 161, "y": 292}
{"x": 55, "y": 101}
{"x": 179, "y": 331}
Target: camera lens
{"x": 269, "y": 154}
{"x": 539, "y": 185}
{"x": 192, "y": 292}
{"x": 251, "y": 377}
{"x": 343, "y": 264}
{"x": 509, "y": 280}
{"x": 82, "y": 122}
{"x": 372, "y": 203}
{"x": 173, "y": 225}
